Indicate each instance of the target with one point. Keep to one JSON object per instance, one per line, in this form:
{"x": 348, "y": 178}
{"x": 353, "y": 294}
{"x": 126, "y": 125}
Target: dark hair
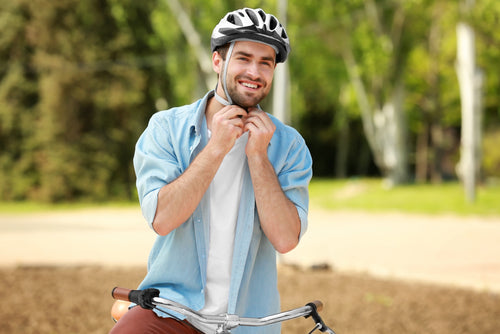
{"x": 222, "y": 50}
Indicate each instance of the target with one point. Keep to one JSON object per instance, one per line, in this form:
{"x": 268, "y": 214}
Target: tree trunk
{"x": 437, "y": 139}
{"x": 281, "y": 83}
{"x": 363, "y": 103}
{"x": 394, "y": 133}
{"x": 422, "y": 155}
{"x": 470, "y": 80}
{"x": 194, "y": 40}
{"x": 385, "y": 129}
{"x": 342, "y": 157}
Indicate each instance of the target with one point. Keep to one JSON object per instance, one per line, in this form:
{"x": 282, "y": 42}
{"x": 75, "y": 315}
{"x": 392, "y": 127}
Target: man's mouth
{"x": 250, "y": 85}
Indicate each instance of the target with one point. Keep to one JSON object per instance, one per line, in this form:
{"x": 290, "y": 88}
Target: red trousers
{"x": 140, "y": 321}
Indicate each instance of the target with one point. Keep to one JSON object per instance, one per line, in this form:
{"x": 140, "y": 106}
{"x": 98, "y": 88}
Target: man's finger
{"x": 233, "y": 111}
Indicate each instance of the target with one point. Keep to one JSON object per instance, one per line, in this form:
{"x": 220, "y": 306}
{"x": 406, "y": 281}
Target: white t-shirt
{"x": 225, "y": 194}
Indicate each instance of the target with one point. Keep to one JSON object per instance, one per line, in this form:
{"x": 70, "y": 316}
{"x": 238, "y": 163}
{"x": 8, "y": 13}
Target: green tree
{"x": 79, "y": 81}
{"x": 484, "y": 18}
{"x": 364, "y": 44}
{"x": 433, "y": 101}
{"x": 92, "y": 67}
{"x": 18, "y": 99}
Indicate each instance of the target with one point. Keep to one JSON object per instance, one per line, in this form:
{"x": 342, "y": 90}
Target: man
{"x": 224, "y": 185}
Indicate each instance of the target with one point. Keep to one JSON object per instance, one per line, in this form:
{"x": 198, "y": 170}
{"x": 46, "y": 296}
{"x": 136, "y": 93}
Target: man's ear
{"x": 217, "y": 62}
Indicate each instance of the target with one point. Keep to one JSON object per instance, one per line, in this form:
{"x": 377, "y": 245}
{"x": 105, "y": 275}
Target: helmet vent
{"x": 262, "y": 14}
{"x": 236, "y": 20}
{"x": 253, "y": 17}
{"x": 273, "y": 23}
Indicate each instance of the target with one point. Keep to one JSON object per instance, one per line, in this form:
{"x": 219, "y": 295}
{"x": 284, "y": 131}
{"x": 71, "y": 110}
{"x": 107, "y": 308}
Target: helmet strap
{"x": 219, "y": 98}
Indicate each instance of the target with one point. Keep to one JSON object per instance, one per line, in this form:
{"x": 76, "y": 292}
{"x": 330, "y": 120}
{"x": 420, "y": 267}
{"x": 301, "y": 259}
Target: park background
{"x": 373, "y": 86}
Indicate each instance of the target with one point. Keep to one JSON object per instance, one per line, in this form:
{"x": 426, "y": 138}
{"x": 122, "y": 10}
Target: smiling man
{"x": 224, "y": 185}
{"x": 252, "y": 67}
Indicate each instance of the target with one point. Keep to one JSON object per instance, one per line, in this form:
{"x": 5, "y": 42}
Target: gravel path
{"x": 446, "y": 250}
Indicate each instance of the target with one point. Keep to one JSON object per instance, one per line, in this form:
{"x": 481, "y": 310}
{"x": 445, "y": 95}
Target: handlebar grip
{"x": 318, "y": 304}
{"x": 121, "y": 294}
{"x": 144, "y": 298}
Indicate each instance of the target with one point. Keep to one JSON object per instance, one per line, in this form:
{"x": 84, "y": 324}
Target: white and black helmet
{"x": 254, "y": 25}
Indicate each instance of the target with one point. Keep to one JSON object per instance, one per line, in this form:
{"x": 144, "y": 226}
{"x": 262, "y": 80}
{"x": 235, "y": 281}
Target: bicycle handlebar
{"x": 132, "y": 296}
{"x": 149, "y": 299}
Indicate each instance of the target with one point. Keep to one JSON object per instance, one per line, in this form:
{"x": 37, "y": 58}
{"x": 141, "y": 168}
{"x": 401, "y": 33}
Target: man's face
{"x": 250, "y": 73}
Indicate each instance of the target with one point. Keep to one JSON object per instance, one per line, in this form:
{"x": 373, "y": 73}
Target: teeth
{"x": 249, "y": 85}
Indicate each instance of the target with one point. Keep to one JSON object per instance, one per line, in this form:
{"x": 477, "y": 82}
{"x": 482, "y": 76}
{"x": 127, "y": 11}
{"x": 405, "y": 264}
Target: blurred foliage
{"x": 80, "y": 79}
{"x": 491, "y": 155}
{"x": 74, "y": 76}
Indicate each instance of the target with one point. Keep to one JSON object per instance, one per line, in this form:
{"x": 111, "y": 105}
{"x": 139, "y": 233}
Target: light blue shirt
{"x": 177, "y": 263}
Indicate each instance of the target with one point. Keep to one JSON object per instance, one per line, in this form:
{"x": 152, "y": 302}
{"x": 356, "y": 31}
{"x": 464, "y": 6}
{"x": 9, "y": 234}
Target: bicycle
{"x": 149, "y": 299}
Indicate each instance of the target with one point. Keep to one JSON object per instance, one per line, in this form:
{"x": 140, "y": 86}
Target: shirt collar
{"x": 198, "y": 121}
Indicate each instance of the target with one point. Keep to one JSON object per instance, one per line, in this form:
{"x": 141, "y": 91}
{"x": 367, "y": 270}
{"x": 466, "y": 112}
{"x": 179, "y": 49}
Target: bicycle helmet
{"x": 248, "y": 24}
{"x": 254, "y": 25}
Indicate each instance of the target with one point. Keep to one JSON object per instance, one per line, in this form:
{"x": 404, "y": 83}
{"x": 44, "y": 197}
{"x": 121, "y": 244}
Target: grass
{"x": 348, "y": 194}
{"x": 35, "y": 207}
{"x": 372, "y": 195}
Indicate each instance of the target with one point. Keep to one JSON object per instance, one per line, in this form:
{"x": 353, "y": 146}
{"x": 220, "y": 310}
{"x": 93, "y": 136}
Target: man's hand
{"x": 227, "y": 125}
{"x": 178, "y": 199}
{"x": 261, "y": 129}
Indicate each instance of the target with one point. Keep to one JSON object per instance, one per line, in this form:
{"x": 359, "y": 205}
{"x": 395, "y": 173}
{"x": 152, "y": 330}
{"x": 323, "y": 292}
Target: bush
{"x": 491, "y": 154}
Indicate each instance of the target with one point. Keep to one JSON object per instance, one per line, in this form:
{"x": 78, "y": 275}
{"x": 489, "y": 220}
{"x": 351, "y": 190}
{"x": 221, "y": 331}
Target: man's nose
{"x": 253, "y": 70}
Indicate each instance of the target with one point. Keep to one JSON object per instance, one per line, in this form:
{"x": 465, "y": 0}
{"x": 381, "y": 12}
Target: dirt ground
{"x": 390, "y": 273}
{"x": 68, "y": 300}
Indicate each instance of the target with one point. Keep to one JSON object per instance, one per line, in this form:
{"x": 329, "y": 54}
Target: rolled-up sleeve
{"x": 294, "y": 172}
{"x": 155, "y": 165}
